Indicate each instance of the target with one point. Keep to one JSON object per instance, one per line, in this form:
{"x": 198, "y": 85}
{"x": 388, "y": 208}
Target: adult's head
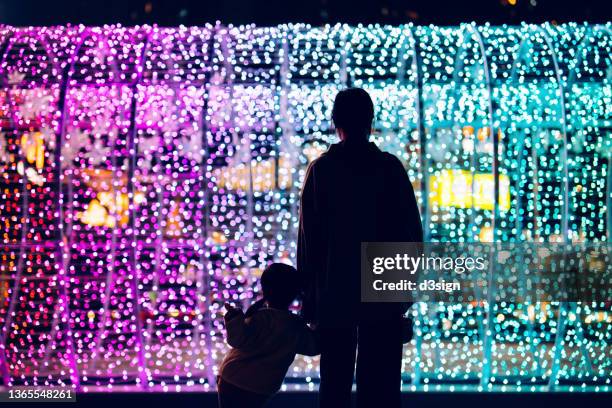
{"x": 353, "y": 114}
{"x": 279, "y": 284}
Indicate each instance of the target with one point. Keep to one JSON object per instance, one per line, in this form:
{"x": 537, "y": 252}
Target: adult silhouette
{"x": 354, "y": 193}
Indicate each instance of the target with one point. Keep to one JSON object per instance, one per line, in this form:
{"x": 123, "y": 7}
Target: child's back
{"x": 264, "y": 346}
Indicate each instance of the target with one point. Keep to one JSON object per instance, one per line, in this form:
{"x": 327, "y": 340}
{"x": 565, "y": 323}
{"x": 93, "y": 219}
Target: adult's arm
{"x": 408, "y": 209}
{"x": 409, "y": 216}
{"x": 309, "y": 239}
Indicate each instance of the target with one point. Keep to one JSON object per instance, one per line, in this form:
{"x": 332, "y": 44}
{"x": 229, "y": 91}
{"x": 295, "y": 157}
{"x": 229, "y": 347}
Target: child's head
{"x": 279, "y": 283}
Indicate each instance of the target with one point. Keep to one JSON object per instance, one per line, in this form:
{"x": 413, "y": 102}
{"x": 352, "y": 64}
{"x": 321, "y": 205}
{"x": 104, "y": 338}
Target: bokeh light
{"x": 149, "y": 174}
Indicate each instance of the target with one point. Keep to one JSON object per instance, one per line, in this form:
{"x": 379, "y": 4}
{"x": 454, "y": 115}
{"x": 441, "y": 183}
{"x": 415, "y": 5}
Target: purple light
{"x": 148, "y": 174}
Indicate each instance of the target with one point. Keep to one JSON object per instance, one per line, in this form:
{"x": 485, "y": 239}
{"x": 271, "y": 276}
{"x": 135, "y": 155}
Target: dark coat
{"x": 353, "y": 193}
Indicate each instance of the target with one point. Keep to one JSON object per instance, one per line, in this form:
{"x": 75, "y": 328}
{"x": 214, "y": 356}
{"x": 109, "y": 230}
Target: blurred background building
{"x": 148, "y": 173}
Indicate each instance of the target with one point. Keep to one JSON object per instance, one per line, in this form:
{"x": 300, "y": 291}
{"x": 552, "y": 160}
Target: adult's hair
{"x": 353, "y": 112}
{"x": 279, "y": 283}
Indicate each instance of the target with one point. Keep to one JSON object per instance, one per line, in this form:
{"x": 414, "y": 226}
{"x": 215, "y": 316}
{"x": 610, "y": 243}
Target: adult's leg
{"x": 337, "y": 366}
{"x": 379, "y": 364}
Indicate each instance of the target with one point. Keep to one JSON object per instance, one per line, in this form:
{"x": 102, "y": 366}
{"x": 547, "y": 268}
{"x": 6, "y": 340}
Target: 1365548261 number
{"x": 38, "y": 394}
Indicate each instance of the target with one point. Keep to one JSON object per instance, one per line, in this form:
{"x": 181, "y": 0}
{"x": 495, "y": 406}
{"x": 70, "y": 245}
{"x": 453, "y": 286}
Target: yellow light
{"x": 531, "y": 312}
{"x": 453, "y": 188}
{"x": 95, "y": 214}
{"x": 598, "y": 317}
{"x": 174, "y": 223}
{"x": 33, "y": 147}
{"x": 486, "y": 234}
{"x": 468, "y": 131}
{"x": 218, "y": 238}
{"x": 34, "y": 177}
{"x": 483, "y": 134}
{"x": 285, "y": 179}
{"x": 107, "y": 207}
{"x": 261, "y": 174}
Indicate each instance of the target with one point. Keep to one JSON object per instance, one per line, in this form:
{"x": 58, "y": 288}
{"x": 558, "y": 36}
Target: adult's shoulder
{"x": 392, "y": 161}
{"x": 320, "y": 163}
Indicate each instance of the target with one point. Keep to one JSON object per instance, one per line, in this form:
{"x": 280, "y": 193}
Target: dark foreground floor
{"x": 308, "y": 400}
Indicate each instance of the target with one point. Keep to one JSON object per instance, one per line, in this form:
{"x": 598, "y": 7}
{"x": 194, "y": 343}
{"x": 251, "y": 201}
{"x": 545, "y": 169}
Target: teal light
{"x": 147, "y": 174}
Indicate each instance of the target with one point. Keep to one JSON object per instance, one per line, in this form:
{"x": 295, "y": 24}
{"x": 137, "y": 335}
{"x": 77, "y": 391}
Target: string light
{"x": 149, "y": 174}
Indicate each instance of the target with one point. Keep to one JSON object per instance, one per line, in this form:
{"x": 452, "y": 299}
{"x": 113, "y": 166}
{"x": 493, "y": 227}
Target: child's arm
{"x": 308, "y": 342}
{"x": 237, "y": 327}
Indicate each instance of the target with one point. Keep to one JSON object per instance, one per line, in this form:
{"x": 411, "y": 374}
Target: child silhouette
{"x": 264, "y": 342}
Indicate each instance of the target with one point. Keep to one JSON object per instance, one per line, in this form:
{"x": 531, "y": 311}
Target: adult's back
{"x": 353, "y": 193}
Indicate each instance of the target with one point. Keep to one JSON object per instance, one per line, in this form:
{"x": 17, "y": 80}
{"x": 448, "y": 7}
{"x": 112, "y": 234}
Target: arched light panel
{"x": 149, "y": 174}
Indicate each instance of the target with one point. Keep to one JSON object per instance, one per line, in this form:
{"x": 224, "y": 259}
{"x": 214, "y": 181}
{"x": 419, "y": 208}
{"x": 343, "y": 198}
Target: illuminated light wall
{"x": 148, "y": 174}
